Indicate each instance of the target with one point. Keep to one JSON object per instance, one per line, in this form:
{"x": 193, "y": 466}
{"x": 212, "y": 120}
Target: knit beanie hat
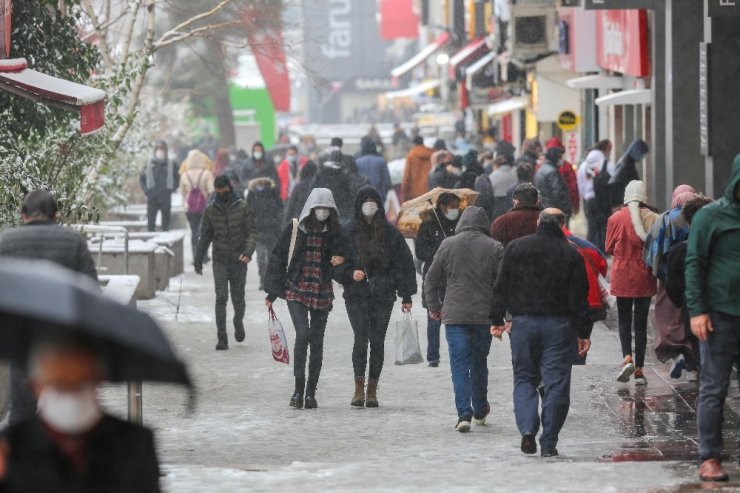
{"x": 635, "y": 192}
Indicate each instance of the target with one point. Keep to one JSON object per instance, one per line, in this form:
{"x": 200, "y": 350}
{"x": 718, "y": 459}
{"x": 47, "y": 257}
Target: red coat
{"x": 284, "y": 175}
{"x": 630, "y": 277}
{"x": 595, "y": 264}
{"x": 569, "y": 175}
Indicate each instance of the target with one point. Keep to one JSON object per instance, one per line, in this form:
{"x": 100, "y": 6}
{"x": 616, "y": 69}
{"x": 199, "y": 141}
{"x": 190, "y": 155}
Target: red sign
{"x": 398, "y": 19}
{"x": 622, "y": 41}
{"x": 269, "y": 52}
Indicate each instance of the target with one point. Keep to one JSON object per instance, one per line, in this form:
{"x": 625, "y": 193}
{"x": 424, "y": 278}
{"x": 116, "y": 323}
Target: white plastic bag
{"x": 609, "y": 299}
{"x": 408, "y": 350}
{"x": 278, "y": 341}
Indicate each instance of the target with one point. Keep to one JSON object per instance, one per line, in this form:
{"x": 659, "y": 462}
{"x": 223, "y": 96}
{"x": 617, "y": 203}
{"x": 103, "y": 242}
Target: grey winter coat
{"x": 231, "y": 228}
{"x": 470, "y": 262}
{"x": 553, "y": 189}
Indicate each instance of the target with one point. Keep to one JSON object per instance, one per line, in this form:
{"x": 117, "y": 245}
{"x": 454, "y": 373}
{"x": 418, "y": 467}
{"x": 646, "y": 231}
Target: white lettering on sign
{"x": 613, "y": 39}
{"x": 727, "y": 3}
{"x": 339, "y": 38}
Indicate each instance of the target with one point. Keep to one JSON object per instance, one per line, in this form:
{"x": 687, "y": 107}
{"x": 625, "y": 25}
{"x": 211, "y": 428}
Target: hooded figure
{"x": 569, "y": 175}
{"x": 378, "y": 267}
{"x": 713, "y": 301}
{"x": 468, "y": 264}
{"x": 260, "y": 165}
{"x": 158, "y": 180}
{"x": 332, "y": 175}
{"x": 303, "y": 277}
{"x": 301, "y": 191}
{"x": 626, "y": 170}
{"x": 374, "y": 167}
{"x": 263, "y": 198}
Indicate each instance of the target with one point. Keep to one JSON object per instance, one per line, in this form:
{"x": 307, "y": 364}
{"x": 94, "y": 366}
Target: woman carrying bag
{"x": 300, "y": 271}
{"x": 379, "y": 264}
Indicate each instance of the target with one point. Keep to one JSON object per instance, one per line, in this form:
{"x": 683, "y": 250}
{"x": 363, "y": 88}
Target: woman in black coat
{"x": 304, "y": 280}
{"x": 263, "y": 199}
{"x": 378, "y": 265}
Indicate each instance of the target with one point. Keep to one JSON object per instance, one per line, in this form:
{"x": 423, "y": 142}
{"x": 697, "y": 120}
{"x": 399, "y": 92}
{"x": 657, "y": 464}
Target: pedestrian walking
{"x": 400, "y": 143}
{"x": 158, "y": 180}
{"x": 550, "y": 183}
{"x": 260, "y": 165}
{"x": 71, "y": 444}
{"x": 502, "y": 178}
{"x": 445, "y": 173}
{"x": 597, "y": 209}
{"x": 41, "y": 238}
{"x": 478, "y": 179}
{"x": 229, "y": 224}
{"x": 432, "y": 232}
{"x": 543, "y": 285}
{"x": 625, "y": 171}
{"x": 416, "y": 171}
{"x": 522, "y": 219}
{"x": 333, "y": 175}
{"x": 378, "y": 266}
{"x": 371, "y": 165}
{"x": 300, "y": 271}
{"x": 196, "y": 186}
{"x": 465, "y": 269}
{"x": 631, "y": 281}
{"x": 301, "y": 191}
{"x": 669, "y": 229}
{"x": 288, "y": 171}
{"x": 569, "y": 176}
{"x": 713, "y": 300}
{"x": 531, "y": 152}
{"x": 263, "y": 199}
{"x": 524, "y": 174}
{"x": 675, "y": 283}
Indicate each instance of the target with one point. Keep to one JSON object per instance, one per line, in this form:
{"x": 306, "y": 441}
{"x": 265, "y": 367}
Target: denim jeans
{"x": 718, "y": 353}
{"x": 541, "y": 347}
{"x": 370, "y": 324}
{"x": 638, "y": 320}
{"x": 469, "y": 346}
{"x": 308, "y": 332}
{"x": 433, "y": 327}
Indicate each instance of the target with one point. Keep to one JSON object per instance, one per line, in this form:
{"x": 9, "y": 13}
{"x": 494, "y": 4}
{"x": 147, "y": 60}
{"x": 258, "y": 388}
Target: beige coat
{"x": 196, "y": 175}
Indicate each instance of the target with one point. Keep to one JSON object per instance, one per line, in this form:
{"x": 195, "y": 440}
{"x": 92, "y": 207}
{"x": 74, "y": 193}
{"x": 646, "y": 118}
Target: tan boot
{"x": 358, "y": 400}
{"x": 372, "y": 394}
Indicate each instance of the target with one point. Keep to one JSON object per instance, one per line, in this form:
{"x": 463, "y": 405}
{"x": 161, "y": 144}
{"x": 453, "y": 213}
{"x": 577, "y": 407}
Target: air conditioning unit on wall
{"x": 534, "y": 29}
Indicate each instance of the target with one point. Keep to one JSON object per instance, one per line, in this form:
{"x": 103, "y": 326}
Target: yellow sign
{"x": 568, "y": 120}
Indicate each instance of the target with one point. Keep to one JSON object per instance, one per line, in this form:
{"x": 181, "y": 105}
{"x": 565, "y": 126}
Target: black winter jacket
{"x": 543, "y": 275}
{"x": 440, "y": 177}
{"x": 264, "y": 201}
{"x": 341, "y": 186}
{"x": 401, "y": 269}
{"x": 159, "y": 170}
{"x": 428, "y": 240}
{"x": 230, "y": 226}
{"x": 45, "y": 240}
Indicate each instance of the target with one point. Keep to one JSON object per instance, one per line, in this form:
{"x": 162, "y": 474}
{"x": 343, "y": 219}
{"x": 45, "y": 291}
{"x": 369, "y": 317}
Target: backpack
{"x": 601, "y": 189}
{"x": 196, "y": 197}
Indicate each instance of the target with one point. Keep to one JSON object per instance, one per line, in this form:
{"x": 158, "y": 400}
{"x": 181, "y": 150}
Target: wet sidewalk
{"x": 244, "y": 437}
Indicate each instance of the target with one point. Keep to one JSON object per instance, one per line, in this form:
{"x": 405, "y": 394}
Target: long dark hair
{"x": 371, "y": 251}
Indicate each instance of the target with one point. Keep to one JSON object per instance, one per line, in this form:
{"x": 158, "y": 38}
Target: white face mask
{"x": 321, "y": 214}
{"x": 369, "y": 209}
{"x": 69, "y": 412}
{"x": 452, "y": 214}
{"x": 160, "y": 155}
{"x": 257, "y": 155}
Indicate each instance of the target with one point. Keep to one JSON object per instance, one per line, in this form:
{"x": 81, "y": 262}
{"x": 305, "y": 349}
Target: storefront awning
{"x": 633, "y": 96}
{"x": 15, "y": 77}
{"x": 414, "y": 90}
{"x": 466, "y": 54}
{"x": 597, "y": 81}
{"x": 419, "y": 58}
{"x": 507, "y": 106}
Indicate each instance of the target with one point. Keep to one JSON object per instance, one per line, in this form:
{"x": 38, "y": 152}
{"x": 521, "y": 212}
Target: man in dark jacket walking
{"x": 266, "y": 206}
{"x": 469, "y": 264}
{"x": 551, "y": 184}
{"x": 374, "y": 167}
{"x": 158, "y": 180}
{"x": 713, "y": 300}
{"x": 229, "y": 224}
{"x": 543, "y": 285}
{"x": 432, "y": 232}
{"x": 41, "y": 238}
{"x": 522, "y": 219}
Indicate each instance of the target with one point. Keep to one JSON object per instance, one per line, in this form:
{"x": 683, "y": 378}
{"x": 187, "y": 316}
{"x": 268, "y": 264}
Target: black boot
{"x": 297, "y": 400}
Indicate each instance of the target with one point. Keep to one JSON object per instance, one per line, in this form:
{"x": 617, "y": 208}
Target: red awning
{"x": 90, "y": 102}
{"x": 467, "y": 54}
{"x": 419, "y": 58}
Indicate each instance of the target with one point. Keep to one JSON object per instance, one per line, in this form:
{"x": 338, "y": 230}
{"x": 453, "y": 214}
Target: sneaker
{"x": 550, "y": 453}
{"x": 222, "y": 346}
{"x": 626, "y": 371}
{"x": 640, "y": 377}
{"x": 693, "y": 376}
{"x": 297, "y": 401}
{"x": 480, "y": 419}
{"x": 529, "y": 444}
{"x": 239, "y": 332}
{"x": 678, "y": 366}
{"x": 711, "y": 470}
{"x": 311, "y": 402}
{"x": 463, "y": 425}
{"x": 433, "y": 364}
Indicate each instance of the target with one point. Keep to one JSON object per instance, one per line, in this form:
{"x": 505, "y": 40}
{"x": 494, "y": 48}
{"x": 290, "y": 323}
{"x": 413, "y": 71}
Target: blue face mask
{"x": 260, "y": 188}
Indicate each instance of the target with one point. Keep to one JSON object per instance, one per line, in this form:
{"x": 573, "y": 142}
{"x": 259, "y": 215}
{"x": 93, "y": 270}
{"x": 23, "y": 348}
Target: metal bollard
{"x": 135, "y": 401}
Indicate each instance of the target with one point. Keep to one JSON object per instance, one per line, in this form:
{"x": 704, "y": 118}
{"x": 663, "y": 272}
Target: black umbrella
{"x": 39, "y": 299}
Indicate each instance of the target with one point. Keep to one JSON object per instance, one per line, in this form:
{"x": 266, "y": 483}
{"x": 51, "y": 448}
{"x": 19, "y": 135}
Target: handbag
{"x": 382, "y": 287}
{"x": 278, "y": 341}
{"x": 408, "y": 350}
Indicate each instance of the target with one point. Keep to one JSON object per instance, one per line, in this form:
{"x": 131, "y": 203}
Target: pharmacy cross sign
{"x": 17, "y": 78}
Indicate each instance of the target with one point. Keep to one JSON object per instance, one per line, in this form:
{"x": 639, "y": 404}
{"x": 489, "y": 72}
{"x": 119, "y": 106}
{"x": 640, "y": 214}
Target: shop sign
{"x": 704, "y": 144}
{"x": 622, "y": 41}
{"x": 567, "y": 121}
{"x": 724, "y": 8}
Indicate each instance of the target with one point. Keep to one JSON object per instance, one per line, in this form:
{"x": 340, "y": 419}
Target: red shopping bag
{"x": 278, "y": 341}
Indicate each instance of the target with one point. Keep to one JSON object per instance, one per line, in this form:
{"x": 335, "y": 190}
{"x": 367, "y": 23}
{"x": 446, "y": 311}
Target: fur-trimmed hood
{"x": 264, "y": 181}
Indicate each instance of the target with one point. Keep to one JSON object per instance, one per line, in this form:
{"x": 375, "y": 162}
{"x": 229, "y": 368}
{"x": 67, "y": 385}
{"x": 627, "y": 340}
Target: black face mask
{"x": 223, "y": 197}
